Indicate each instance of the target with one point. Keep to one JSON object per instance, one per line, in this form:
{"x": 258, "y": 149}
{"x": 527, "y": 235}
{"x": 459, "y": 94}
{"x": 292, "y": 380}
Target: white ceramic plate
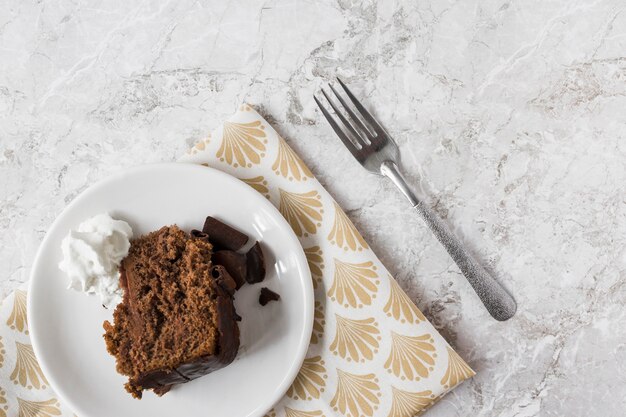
{"x": 66, "y": 326}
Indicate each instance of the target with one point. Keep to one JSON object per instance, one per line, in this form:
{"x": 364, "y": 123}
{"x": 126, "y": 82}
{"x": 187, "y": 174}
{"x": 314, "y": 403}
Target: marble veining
{"x": 509, "y": 115}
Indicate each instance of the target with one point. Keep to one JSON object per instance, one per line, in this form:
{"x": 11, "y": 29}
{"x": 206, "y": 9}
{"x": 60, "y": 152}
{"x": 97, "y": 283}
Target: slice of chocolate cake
{"x": 177, "y": 320}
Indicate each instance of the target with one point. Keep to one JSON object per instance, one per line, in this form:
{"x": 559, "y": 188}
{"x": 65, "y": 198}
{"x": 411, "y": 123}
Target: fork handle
{"x": 496, "y": 299}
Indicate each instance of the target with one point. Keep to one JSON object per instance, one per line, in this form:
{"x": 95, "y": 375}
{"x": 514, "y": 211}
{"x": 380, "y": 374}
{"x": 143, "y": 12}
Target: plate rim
{"x": 309, "y": 300}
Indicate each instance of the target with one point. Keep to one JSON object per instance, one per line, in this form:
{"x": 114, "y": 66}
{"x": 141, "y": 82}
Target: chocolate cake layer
{"x": 177, "y": 320}
{"x": 228, "y": 343}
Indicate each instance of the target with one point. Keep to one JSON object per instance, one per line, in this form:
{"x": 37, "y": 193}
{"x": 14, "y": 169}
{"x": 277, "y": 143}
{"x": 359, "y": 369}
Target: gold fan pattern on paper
{"x": 3, "y": 403}
{"x": 289, "y": 412}
{"x": 303, "y": 211}
{"x": 400, "y": 307}
{"x": 288, "y": 164}
{"x": 457, "y": 370}
{"x": 243, "y": 144}
{"x": 316, "y": 263}
{"x": 17, "y": 319}
{"x": 47, "y": 408}
{"x": 357, "y": 395}
{"x": 310, "y": 381}
{"x": 318, "y": 323}
{"x": 354, "y": 285}
{"x": 259, "y": 184}
{"x": 355, "y": 340}
{"x": 27, "y": 372}
{"x": 344, "y": 234}
{"x": 409, "y": 404}
{"x": 411, "y": 357}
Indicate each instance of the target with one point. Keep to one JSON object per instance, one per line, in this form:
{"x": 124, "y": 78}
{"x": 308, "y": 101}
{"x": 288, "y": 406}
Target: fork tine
{"x": 353, "y": 115}
{"x": 346, "y": 123}
{"x": 366, "y": 115}
{"x": 346, "y": 141}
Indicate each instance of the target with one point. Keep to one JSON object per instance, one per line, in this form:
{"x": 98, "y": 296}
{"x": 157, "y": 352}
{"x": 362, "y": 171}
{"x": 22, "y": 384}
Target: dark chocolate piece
{"x": 255, "y": 264}
{"x": 199, "y": 235}
{"x": 223, "y": 236}
{"x": 224, "y": 279}
{"x": 267, "y": 295}
{"x": 161, "y": 380}
{"x": 235, "y": 264}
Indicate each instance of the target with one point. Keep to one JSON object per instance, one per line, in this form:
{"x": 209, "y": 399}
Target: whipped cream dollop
{"x": 92, "y": 255}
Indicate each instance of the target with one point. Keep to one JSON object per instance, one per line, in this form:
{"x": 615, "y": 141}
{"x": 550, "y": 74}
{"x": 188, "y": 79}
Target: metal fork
{"x": 372, "y": 146}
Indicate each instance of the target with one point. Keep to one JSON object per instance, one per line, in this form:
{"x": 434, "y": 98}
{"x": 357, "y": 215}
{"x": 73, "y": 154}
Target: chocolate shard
{"x": 200, "y": 235}
{"x": 267, "y": 295}
{"x": 224, "y": 279}
{"x": 223, "y": 236}
{"x": 235, "y": 263}
{"x": 255, "y": 262}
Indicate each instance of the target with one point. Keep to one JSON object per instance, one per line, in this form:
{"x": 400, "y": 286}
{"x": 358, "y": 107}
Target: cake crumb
{"x": 267, "y": 295}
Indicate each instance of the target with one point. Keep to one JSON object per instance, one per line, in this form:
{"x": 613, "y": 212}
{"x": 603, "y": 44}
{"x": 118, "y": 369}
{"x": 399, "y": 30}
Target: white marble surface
{"x": 511, "y": 113}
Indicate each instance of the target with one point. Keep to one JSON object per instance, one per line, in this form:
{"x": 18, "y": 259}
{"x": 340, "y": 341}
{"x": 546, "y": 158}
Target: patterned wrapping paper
{"x": 372, "y": 352}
